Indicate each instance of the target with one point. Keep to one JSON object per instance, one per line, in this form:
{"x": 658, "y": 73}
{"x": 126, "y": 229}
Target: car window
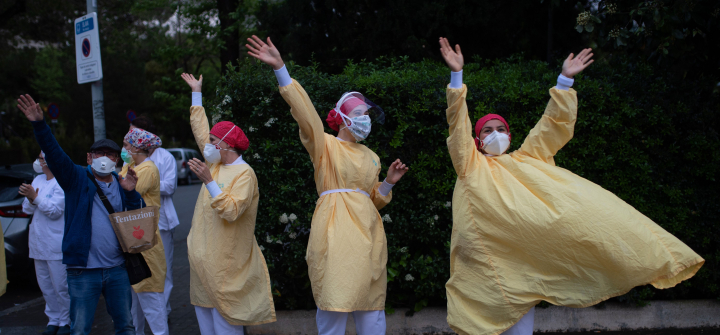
{"x": 176, "y": 154}
{"x": 9, "y": 188}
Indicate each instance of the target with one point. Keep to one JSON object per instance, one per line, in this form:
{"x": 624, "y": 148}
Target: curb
{"x": 20, "y": 307}
{"x": 659, "y": 314}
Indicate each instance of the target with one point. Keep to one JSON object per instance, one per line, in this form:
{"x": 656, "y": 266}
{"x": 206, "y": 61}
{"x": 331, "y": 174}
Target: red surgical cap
{"x": 236, "y": 138}
{"x": 481, "y": 123}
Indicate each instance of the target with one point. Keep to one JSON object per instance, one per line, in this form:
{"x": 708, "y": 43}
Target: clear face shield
{"x": 355, "y": 105}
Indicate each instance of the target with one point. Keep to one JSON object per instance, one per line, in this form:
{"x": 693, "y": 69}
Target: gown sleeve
{"x": 28, "y": 207}
{"x": 378, "y": 199}
{"x": 461, "y": 144}
{"x": 233, "y": 201}
{"x": 312, "y": 132}
{"x": 555, "y": 128}
{"x": 200, "y": 126}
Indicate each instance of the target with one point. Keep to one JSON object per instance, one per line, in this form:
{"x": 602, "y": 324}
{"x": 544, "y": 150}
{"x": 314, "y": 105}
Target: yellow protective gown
{"x": 227, "y": 269}
{"x": 347, "y": 250}
{"x": 3, "y": 267}
{"x": 148, "y": 185}
{"x": 525, "y": 230}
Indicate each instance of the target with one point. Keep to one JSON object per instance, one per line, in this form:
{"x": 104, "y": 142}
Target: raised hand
{"x": 29, "y": 192}
{"x": 396, "y": 170}
{"x": 201, "y": 170}
{"x": 453, "y": 58}
{"x": 265, "y": 52}
{"x": 195, "y": 85}
{"x": 31, "y": 109}
{"x": 573, "y": 66}
{"x": 128, "y": 183}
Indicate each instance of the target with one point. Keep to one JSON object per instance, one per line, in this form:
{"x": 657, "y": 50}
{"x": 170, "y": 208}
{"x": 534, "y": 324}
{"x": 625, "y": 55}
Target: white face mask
{"x": 359, "y": 127}
{"x": 495, "y": 143}
{"x": 37, "y": 166}
{"x": 103, "y": 166}
{"x": 212, "y": 151}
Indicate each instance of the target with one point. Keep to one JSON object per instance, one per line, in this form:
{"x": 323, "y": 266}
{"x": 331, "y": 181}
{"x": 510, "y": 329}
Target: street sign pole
{"x": 98, "y": 103}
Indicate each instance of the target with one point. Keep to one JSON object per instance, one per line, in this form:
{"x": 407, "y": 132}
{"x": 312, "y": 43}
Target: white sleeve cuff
{"x": 197, "y": 98}
{"x": 564, "y": 83}
{"x": 385, "y": 188}
{"x": 283, "y": 76}
{"x": 456, "y": 79}
{"x": 36, "y": 201}
{"x": 213, "y": 188}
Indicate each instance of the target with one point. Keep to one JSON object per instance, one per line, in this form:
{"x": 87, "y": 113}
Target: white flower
{"x": 268, "y": 239}
{"x": 226, "y": 100}
{"x": 436, "y": 218}
{"x": 256, "y": 155}
{"x": 386, "y": 218}
{"x": 262, "y": 248}
{"x": 292, "y": 217}
{"x": 293, "y": 235}
{"x": 409, "y": 277}
{"x": 270, "y": 122}
{"x": 403, "y": 250}
{"x": 278, "y": 242}
{"x": 252, "y": 129}
{"x": 448, "y": 204}
{"x": 284, "y": 218}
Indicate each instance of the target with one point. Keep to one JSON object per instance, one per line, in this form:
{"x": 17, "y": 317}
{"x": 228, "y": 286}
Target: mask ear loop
{"x": 228, "y": 133}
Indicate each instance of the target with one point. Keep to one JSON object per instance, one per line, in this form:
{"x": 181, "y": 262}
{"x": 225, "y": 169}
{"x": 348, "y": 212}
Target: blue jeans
{"x": 85, "y": 287}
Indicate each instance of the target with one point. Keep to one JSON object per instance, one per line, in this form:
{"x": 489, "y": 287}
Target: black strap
{"x": 100, "y": 193}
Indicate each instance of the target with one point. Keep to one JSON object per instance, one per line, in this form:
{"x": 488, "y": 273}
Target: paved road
{"x": 22, "y": 307}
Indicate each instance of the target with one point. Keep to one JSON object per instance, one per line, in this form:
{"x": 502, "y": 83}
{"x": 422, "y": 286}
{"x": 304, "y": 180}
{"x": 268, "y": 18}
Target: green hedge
{"x": 651, "y": 142}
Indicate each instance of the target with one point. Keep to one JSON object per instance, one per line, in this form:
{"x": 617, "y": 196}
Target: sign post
{"x": 54, "y": 111}
{"x": 89, "y": 63}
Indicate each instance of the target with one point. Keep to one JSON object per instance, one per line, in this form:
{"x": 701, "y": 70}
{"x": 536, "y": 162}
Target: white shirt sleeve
{"x": 564, "y": 83}
{"x": 283, "y": 76}
{"x": 168, "y": 172}
{"x": 456, "y": 79}
{"x": 28, "y": 207}
{"x": 385, "y": 188}
{"x": 197, "y": 99}
{"x": 213, "y": 188}
{"x": 54, "y": 206}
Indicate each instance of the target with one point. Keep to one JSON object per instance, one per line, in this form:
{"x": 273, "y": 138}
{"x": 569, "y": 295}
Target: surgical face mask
{"x": 359, "y": 126}
{"x": 212, "y": 151}
{"x": 37, "y": 166}
{"x": 103, "y": 166}
{"x": 495, "y": 143}
{"x": 126, "y": 156}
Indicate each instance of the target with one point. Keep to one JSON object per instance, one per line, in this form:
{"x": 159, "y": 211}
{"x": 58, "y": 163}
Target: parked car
{"x": 182, "y": 156}
{"x": 15, "y": 223}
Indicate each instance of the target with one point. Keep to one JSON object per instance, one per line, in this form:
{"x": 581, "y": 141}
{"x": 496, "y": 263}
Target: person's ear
{"x": 89, "y": 158}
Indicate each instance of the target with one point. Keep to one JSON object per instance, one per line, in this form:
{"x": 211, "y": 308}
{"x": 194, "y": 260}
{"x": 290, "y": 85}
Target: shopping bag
{"x": 135, "y": 229}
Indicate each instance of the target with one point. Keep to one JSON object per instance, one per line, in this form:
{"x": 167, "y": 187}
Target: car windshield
{"x": 9, "y": 188}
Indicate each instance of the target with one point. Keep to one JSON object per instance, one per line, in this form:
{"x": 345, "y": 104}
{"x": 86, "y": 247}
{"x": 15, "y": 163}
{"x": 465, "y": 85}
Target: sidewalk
{"x": 29, "y": 318}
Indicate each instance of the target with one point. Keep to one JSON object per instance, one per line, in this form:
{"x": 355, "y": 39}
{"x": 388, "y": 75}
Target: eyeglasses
{"x": 108, "y": 154}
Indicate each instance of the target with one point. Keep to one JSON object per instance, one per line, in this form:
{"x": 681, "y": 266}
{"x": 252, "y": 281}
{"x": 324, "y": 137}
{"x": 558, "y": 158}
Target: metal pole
{"x": 98, "y": 103}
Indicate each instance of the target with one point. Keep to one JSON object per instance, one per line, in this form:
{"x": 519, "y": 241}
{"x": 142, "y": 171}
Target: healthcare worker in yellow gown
{"x": 229, "y": 280}
{"x": 148, "y": 299}
{"x": 525, "y": 230}
{"x": 347, "y": 250}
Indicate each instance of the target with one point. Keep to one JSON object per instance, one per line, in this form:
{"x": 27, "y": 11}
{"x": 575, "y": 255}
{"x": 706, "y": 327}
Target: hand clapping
{"x": 396, "y": 170}
{"x": 28, "y": 191}
{"x": 201, "y": 170}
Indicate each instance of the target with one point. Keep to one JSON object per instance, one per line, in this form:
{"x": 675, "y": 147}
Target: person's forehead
{"x": 494, "y": 123}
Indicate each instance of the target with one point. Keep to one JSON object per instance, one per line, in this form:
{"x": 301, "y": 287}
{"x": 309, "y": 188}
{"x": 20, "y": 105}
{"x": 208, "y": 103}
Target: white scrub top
{"x": 48, "y": 222}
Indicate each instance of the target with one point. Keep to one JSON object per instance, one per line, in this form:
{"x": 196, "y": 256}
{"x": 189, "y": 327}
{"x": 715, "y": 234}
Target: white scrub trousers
{"x": 52, "y": 279}
{"x": 212, "y": 323}
{"x": 150, "y": 305}
{"x": 366, "y": 322}
{"x": 169, "y": 246}
{"x": 524, "y": 326}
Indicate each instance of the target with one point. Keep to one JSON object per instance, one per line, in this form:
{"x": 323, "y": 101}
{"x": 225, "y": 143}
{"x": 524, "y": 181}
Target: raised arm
{"x": 460, "y": 142}
{"x": 198, "y": 120}
{"x": 557, "y": 125}
{"x": 312, "y": 132}
{"x": 65, "y": 171}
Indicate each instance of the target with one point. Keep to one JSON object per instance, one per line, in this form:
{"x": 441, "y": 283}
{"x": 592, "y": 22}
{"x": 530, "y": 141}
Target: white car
{"x": 182, "y": 156}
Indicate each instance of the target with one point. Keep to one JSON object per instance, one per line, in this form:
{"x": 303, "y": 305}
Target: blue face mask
{"x": 126, "y": 156}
